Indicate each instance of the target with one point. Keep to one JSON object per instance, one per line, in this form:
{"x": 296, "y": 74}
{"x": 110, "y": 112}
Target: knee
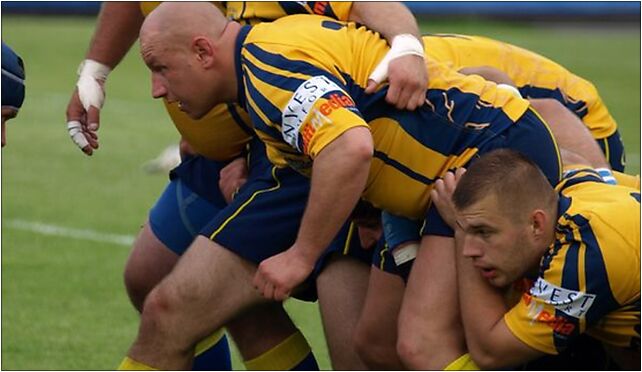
{"x": 412, "y": 352}
{"x": 159, "y": 305}
{"x": 376, "y": 350}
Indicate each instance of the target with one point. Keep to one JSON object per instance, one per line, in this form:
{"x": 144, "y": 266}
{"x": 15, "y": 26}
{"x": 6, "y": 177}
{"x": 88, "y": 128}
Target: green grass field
{"x": 63, "y": 301}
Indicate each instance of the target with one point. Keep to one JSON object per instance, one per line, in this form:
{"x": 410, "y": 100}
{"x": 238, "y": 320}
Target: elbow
{"x": 360, "y": 145}
{"x": 486, "y": 359}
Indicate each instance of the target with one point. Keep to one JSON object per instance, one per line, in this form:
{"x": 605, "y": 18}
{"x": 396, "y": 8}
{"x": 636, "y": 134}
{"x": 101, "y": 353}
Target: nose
{"x": 471, "y": 247}
{"x": 159, "y": 89}
{"x": 368, "y": 237}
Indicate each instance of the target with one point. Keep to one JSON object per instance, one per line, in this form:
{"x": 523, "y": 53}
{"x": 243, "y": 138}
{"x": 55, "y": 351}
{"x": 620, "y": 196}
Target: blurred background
{"x": 68, "y": 220}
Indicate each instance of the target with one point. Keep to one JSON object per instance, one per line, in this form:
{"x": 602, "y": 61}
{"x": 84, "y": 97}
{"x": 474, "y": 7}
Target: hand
{"x": 278, "y": 275}
{"x": 405, "y": 69}
{"x": 81, "y": 133}
{"x": 441, "y": 195}
{"x": 83, "y": 110}
{"x": 232, "y": 177}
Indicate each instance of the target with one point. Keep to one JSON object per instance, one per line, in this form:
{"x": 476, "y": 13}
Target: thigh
{"x": 377, "y": 326}
{"x": 207, "y": 288}
{"x": 149, "y": 262}
{"x": 341, "y": 287}
{"x": 429, "y": 316}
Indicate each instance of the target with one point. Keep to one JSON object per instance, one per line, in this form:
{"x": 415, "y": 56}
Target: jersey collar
{"x": 240, "y": 40}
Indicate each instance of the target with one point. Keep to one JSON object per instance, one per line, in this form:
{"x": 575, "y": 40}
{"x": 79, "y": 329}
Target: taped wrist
{"x": 402, "y": 45}
{"x": 93, "y": 69}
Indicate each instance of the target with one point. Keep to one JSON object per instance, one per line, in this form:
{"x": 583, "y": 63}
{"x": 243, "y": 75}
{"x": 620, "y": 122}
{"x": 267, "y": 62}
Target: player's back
{"x": 535, "y": 75}
{"x": 305, "y": 80}
{"x": 606, "y": 220}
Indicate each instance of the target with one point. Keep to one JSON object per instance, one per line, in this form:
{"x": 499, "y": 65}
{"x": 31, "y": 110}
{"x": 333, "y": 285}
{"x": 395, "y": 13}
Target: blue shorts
{"x": 383, "y": 260}
{"x": 613, "y": 150}
{"x": 529, "y": 136}
{"x": 179, "y": 214}
{"x": 264, "y": 217}
{"x": 201, "y": 175}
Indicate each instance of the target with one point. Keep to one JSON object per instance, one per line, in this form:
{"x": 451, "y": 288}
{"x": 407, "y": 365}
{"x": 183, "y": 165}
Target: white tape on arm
{"x": 402, "y": 45}
{"x": 90, "y": 74}
{"x": 511, "y": 89}
{"x": 75, "y": 132}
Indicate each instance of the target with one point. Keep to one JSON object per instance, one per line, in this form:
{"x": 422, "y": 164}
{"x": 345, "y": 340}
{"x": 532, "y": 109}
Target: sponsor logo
{"x": 559, "y": 324}
{"x": 319, "y": 7}
{"x": 573, "y": 303}
{"x": 301, "y": 106}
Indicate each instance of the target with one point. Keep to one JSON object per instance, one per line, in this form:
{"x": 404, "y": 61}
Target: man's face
{"x": 176, "y": 76}
{"x": 501, "y": 248}
{"x": 7, "y": 113}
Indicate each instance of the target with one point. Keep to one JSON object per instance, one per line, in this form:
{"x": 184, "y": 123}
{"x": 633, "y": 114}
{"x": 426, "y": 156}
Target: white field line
{"x": 66, "y": 232}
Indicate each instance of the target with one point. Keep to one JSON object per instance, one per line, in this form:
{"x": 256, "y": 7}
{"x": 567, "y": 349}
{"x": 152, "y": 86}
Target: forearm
{"x": 482, "y": 309}
{"x": 117, "y": 29}
{"x": 339, "y": 176}
{"x": 387, "y": 18}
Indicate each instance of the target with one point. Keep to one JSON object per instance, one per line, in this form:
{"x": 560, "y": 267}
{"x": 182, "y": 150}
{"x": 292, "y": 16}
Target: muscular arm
{"x": 407, "y": 74}
{"x": 387, "y": 18}
{"x": 339, "y": 176}
{"x": 490, "y": 343}
{"x": 116, "y": 31}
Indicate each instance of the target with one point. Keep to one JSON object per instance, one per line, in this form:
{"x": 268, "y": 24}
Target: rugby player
{"x": 534, "y": 75}
{"x": 322, "y": 70}
{"x": 578, "y": 243}
{"x": 13, "y": 86}
{"x": 193, "y": 198}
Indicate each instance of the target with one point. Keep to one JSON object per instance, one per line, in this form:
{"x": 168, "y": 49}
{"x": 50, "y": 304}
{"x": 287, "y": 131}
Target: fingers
{"x": 372, "y": 86}
{"x": 93, "y": 119}
{"x": 268, "y": 288}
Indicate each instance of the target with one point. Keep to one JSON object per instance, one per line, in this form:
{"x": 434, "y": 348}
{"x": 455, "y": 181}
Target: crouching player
{"x": 578, "y": 243}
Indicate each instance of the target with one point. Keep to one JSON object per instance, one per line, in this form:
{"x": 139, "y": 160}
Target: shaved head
{"x": 177, "y": 23}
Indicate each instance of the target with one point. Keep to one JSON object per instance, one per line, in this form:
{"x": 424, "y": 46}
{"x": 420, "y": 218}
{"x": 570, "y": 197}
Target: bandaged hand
{"x": 83, "y": 110}
{"x": 405, "y": 69}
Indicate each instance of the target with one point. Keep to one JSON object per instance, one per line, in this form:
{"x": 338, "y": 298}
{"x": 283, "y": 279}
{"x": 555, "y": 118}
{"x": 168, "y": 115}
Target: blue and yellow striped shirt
{"x": 302, "y": 80}
{"x": 589, "y": 280}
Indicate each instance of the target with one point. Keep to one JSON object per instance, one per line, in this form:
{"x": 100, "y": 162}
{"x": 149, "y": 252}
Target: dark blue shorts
{"x": 529, "y": 136}
{"x": 613, "y": 150}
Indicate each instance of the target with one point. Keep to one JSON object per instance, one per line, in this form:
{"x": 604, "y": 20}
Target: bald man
{"x": 341, "y": 355}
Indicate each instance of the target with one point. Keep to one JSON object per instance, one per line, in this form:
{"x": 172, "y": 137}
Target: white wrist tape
{"x": 405, "y": 254}
{"x": 402, "y": 45}
{"x": 75, "y": 132}
{"x": 90, "y": 92}
{"x": 511, "y": 89}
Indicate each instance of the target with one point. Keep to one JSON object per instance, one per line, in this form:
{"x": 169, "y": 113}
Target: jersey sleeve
{"x": 318, "y": 112}
{"x": 573, "y": 292}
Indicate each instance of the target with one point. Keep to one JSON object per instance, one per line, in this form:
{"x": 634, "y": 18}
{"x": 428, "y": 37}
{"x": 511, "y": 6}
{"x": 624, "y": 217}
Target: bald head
{"x": 180, "y": 22}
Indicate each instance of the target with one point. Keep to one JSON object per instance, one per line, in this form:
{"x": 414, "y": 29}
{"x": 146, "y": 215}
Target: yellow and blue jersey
{"x": 589, "y": 280}
{"x": 534, "y": 75}
{"x": 304, "y": 89}
{"x": 222, "y": 134}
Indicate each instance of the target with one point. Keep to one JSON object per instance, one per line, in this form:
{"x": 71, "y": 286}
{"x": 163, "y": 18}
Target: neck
{"x": 228, "y": 43}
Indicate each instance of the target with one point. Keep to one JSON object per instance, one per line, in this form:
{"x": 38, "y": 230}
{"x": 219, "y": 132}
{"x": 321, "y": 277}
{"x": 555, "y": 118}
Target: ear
{"x": 204, "y": 50}
{"x": 539, "y": 221}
